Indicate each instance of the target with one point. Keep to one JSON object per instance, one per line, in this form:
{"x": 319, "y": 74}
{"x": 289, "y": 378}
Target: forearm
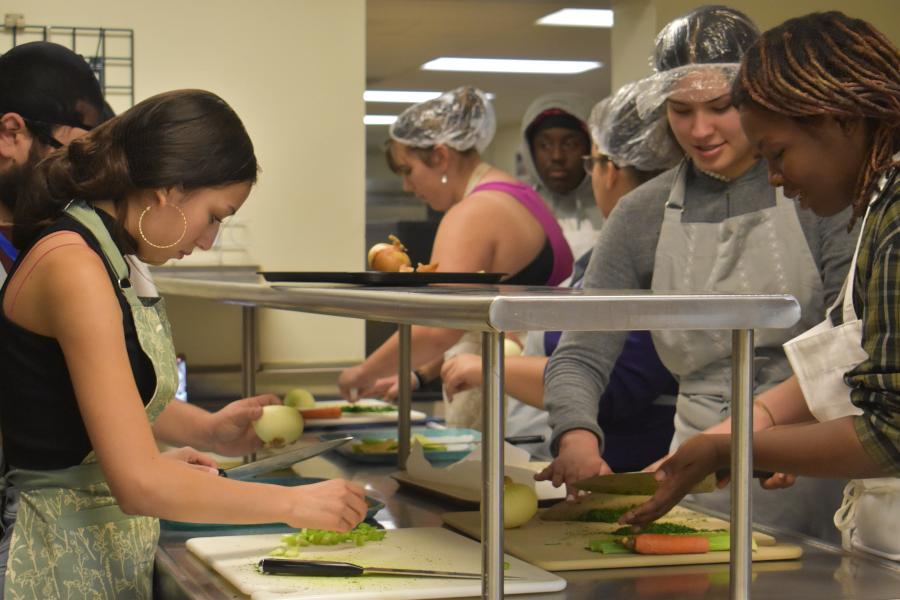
{"x": 173, "y": 490}
{"x": 783, "y": 404}
{"x": 523, "y": 378}
{"x": 428, "y": 344}
{"x": 183, "y": 424}
{"x": 830, "y": 450}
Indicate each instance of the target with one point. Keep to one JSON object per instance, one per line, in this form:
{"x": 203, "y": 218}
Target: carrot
{"x": 661, "y": 543}
{"x": 328, "y": 412}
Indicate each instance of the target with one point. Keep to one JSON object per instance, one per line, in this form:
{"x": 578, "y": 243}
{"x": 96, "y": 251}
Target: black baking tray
{"x": 378, "y": 278}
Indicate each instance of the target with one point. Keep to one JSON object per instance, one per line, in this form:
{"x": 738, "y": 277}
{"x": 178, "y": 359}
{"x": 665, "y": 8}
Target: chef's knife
{"x": 324, "y": 568}
{"x": 639, "y": 483}
{"x": 644, "y": 483}
{"x": 282, "y": 460}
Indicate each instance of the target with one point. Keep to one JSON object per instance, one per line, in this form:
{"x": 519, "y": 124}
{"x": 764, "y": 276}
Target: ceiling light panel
{"x": 399, "y": 96}
{"x": 404, "y": 96}
{"x": 511, "y": 65}
{"x": 578, "y": 17}
{"x": 379, "y": 119}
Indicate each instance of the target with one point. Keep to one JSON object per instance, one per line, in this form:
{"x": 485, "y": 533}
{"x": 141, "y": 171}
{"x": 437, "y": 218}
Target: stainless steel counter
{"x": 493, "y": 310}
{"x": 824, "y": 572}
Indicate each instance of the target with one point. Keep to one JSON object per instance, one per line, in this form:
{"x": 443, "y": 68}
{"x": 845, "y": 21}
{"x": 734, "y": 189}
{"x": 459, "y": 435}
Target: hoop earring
{"x": 444, "y": 179}
{"x": 161, "y": 247}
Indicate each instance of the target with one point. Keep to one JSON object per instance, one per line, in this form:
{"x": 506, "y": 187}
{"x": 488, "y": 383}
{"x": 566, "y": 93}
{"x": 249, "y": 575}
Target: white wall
{"x": 294, "y": 70}
{"x": 502, "y": 151}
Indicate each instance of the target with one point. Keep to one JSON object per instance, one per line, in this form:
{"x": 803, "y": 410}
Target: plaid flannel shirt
{"x": 875, "y": 383}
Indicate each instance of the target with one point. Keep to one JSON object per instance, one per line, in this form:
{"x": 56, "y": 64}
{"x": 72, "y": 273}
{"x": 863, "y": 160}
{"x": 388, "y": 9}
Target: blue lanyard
{"x": 7, "y": 248}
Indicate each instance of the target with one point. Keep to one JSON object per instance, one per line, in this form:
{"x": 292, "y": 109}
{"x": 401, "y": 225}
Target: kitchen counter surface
{"x": 824, "y": 573}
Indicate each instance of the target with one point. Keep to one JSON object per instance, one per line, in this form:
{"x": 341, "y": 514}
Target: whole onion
{"x": 388, "y": 257}
{"x": 279, "y": 424}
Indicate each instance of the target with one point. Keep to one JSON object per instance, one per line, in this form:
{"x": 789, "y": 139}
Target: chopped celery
{"x": 292, "y": 542}
{"x": 607, "y": 547}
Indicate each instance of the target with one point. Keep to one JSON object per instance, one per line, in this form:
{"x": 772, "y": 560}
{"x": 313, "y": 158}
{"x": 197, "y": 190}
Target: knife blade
{"x": 282, "y": 460}
{"x": 637, "y": 483}
{"x": 324, "y": 568}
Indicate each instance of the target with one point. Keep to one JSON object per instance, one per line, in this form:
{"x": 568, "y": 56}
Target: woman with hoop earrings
{"x": 90, "y": 365}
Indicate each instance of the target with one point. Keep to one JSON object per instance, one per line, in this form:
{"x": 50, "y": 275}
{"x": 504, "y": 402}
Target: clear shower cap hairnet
{"x": 460, "y": 119}
{"x": 629, "y": 140}
{"x": 698, "y": 56}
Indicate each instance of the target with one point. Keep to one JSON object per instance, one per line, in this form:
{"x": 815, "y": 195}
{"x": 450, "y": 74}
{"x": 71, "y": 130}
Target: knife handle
{"x": 309, "y": 568}
{"x": 723, "y": 473}
{"x": 526, "y": 439}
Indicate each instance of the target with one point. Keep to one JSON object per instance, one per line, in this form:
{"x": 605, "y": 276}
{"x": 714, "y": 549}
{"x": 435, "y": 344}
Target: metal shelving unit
{"x": 493, "y": 310}
{"x": 109, "y": 52}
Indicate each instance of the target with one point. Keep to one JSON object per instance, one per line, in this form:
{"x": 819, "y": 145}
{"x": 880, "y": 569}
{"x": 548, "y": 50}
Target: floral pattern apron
{"x": 70, "y": 538}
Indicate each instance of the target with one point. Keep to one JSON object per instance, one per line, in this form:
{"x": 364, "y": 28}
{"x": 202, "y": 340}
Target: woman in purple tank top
{"x": 492, "y": 222}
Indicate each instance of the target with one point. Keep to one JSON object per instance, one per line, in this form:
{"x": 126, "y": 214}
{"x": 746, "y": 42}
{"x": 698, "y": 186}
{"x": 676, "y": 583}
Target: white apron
{"x": 763, "y": 252}
{"x": 869, "y": 517}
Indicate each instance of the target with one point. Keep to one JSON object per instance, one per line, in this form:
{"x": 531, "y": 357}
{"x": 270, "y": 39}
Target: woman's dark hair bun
{"x": 187, "y": 138}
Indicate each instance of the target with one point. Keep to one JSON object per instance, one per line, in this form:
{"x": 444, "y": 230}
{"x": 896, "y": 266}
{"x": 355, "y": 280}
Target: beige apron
{"x": 760, "y": 252}
{"x": 70, "y": 538}
{"x": 869, "y": 517}
{"x": 763, "y": 252}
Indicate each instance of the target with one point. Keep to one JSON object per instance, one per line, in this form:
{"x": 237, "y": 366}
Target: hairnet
{"x": 698, "y": 55}
{"x": 629, "y": 140}
{"x": 460, "y": 119}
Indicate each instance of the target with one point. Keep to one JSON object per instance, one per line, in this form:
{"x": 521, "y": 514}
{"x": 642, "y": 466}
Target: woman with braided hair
{"x": 819, "y": 98}
{"x": 711, "y": 224}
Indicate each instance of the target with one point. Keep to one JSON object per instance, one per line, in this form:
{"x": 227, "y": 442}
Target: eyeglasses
{"x": 43, "y": 131}
{"x": 590, "y": 160}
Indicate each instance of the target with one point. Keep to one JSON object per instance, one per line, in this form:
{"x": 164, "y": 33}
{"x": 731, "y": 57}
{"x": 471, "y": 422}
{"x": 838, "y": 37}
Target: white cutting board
{"x": 358, "y": 419}
{"x": 235, "y": 559}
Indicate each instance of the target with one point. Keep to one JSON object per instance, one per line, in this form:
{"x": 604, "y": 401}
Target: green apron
{"x": 70, "y": 538}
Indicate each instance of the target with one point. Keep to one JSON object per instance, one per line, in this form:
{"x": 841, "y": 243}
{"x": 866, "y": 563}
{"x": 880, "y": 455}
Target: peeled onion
{"x": 511, "y": 347}
{"x": 388, "y": 257}
{"x": 520, "y": 503}
{"x": 279, "y": 424}
{"x": 300, "y": 399}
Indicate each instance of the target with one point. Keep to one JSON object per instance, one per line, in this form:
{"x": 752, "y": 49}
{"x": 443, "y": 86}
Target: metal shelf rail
{"x": 494, "y": 310}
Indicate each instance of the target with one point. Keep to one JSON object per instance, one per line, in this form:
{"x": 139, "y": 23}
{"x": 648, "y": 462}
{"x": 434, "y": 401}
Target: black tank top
{"x": 39, "y": 416}
{"x": 538, "y": 271}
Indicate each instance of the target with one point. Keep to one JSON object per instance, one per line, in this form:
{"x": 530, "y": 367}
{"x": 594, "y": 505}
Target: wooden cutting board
{"x": 235, "y": 559}
{"x": 560, "y": 545}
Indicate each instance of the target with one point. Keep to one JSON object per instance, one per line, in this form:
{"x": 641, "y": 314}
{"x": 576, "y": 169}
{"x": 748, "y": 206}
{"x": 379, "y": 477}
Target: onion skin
{"x": 389, "y": 258}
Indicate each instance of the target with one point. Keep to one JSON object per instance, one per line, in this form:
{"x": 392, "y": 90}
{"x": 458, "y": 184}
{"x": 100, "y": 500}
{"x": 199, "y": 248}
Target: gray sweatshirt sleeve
{"x": 837, "y": 245}
{"x": 623, "y": 257}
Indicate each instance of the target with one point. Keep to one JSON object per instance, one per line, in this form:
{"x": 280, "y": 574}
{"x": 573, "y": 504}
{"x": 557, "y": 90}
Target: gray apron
{"x": 69, "y": 538}
{"x": 762, "y": 252}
